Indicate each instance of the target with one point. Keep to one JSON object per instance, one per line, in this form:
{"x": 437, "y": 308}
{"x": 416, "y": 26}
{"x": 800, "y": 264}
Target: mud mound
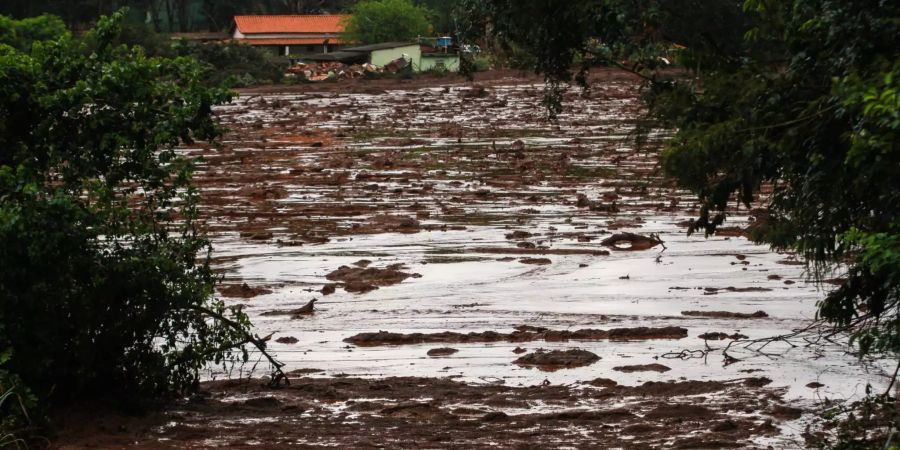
{"x": 558, "y": 359}
{"x": 630, "y": 241}
{"x": 445, "y": 351}
{"x": 538, "y": 251}
{"x": 524, "y": 333}
{"x": 603, "y": 383}
{"x": 306, "y": 310}
{"x": 365, "y": 279}
{"x": 639, "y": 333}
{"x": 536, "y": 261}
{"x": 726, "y": 314}
{"x": 714, "y": 291}
{"x": 242, "y": 290}
{"x": 643, "y": 368}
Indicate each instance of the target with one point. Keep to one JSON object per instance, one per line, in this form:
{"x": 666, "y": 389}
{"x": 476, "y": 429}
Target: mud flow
{"x": 485, "y": 277}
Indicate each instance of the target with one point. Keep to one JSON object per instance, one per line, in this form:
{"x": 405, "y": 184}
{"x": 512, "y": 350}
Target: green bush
{"x": 106, "y": 288}
{"x": 21, "y": 34}
{"x": 232, "y": 62}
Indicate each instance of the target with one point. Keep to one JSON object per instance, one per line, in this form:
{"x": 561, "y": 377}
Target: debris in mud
{"x": 643, "y": 368}
{"x": 558, "y": 359}
{"x": 815, "y": 385}
{"x": 720, "y": 336}
{"x": 365, "y": 279}
{"x": 714, "y": 291}
{"x": 730, "y": 232}
{"x": 524, "y": 333}
{"x": 519, "y": 350}
{"x": 287, "y": 340}
{"x": 306, "y": 310}
{"x": 242, "y": 290}
{"x": 631, "y": 241}
{"x": 535, "y": 261}
{"x": 726, "y": 314}
{"x": 444, "y": 351}
{"x": 329, "y": 289}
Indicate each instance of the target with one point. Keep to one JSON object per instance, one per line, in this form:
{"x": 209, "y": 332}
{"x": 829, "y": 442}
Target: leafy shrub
{"x": 106, "y": 288}
{"x": 21, "y": 34}
{"x": 233, "y": 62}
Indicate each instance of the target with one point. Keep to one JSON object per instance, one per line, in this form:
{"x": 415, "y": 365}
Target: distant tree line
{"x": 195, "y": 15}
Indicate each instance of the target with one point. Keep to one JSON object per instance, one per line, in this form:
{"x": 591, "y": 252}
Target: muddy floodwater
{"x": 484, "y": 277}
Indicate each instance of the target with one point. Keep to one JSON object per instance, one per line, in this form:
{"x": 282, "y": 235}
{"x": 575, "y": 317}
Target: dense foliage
{"x": 20, "y": 34}
{"x": 106, "y": 288}
{"x": 373, "y": 21}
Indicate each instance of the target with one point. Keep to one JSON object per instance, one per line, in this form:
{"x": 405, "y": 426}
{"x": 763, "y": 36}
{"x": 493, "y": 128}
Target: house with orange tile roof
{"x": 291, "y": 34}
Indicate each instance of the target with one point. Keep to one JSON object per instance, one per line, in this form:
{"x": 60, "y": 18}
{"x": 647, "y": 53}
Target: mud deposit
{"x": 409, "y": 412}
{"x": 452, "y": 237}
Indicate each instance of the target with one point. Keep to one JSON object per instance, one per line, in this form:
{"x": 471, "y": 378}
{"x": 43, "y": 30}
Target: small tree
{"x": 373, "y": 21}
{"x": 105, "y": 287}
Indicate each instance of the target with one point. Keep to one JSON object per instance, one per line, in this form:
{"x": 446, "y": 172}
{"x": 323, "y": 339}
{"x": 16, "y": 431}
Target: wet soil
{"x": 434, "y": 412}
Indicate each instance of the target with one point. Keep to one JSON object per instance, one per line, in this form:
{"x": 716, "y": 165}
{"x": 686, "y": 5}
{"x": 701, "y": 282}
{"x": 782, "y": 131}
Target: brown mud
{"x": 522, "y": 334}
{"x": 553, "y": 360}
{"x": 439, "y": 413}
{"x": 726, "y": 314}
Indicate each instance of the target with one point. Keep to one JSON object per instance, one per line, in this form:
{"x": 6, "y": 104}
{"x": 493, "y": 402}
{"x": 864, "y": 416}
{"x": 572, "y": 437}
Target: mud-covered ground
{"x": 486, "y": 278}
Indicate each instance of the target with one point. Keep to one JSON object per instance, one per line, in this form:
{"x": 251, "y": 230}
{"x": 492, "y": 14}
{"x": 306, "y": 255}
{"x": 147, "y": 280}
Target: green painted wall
{"x": 430, "y": 62}
{"x": 382, "y": 57}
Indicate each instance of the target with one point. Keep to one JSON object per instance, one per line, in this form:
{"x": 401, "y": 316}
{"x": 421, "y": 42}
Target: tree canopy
{"x": 373, "y": 21}
{"x": 791, "y": 103}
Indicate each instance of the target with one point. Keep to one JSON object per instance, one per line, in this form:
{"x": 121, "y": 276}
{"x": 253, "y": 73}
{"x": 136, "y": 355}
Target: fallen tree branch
{"x": 260, "y": 343}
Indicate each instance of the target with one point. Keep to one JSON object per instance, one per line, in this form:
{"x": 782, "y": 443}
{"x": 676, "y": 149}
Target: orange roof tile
{"x": 290, "y": 24}
{"x": 289, "y": 41}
